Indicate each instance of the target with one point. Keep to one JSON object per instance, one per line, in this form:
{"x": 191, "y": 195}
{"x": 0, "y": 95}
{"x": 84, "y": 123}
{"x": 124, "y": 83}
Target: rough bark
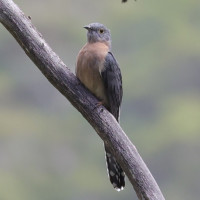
{"x": 66, "y": 82}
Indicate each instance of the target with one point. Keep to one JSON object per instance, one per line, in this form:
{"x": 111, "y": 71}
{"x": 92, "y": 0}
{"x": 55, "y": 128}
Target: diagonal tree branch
{"x": 65, "y": 81}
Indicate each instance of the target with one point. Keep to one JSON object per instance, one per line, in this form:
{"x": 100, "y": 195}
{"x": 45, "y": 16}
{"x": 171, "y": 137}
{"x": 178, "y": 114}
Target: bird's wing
{"x": 112, "y": 79}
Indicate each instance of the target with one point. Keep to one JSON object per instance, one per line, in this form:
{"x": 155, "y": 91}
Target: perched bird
{"x": 98, "y": 70}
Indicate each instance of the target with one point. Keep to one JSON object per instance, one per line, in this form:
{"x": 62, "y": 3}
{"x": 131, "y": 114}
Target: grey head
{"x": 98, "y": 33}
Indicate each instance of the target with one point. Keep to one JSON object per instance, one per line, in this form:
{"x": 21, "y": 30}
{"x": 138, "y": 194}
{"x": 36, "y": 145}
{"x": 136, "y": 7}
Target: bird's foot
{"x": 100, "y": 103}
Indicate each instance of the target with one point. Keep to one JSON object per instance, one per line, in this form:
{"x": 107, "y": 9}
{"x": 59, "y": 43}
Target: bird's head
{"x": 98, "y": 33}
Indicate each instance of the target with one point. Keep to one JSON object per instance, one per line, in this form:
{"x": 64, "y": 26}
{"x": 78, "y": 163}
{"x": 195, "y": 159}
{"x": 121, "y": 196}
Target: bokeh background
{"x": 47, "y": 149}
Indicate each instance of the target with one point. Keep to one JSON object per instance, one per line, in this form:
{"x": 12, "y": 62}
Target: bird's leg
{"x": 99, "y": 103}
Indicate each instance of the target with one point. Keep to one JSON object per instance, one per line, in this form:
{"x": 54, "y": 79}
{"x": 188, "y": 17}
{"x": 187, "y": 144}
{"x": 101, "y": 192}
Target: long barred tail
{"x": 115, "y": 172}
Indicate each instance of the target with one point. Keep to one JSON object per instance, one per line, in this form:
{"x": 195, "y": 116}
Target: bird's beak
{"x": 87, "y": 27}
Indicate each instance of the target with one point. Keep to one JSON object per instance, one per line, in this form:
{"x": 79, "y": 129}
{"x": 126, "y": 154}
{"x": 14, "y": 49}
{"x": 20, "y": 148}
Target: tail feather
{"x": 115, "y": 172}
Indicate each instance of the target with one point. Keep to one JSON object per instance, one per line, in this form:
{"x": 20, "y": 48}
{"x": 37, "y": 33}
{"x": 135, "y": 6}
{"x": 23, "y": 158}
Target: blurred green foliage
{"x": 48, "y": 151}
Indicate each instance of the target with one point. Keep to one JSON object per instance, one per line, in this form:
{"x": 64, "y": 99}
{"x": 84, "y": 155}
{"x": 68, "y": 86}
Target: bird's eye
{"x": 101, "y": 31}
